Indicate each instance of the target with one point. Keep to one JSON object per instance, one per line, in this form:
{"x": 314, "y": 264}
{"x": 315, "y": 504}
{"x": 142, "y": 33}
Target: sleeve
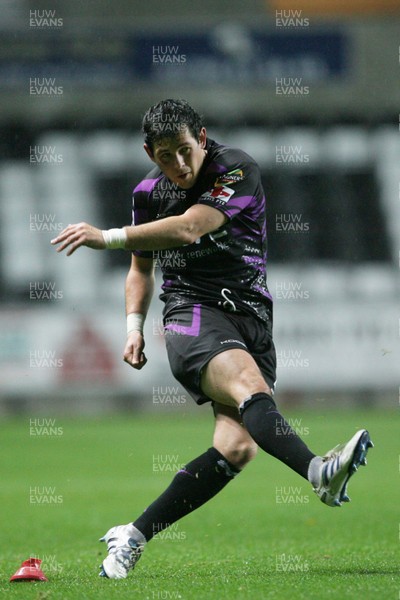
{"x": 140, "y": 215}
{"x": 233, "y": 190}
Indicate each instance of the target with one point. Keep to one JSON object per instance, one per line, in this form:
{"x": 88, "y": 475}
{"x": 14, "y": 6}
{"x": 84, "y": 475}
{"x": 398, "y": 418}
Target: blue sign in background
{"x": 198, "y": 59}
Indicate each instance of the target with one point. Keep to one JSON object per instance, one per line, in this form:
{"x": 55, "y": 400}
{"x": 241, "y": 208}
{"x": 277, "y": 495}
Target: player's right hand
{"x": 80, "y": 234}
{"x": 133, "y": 353}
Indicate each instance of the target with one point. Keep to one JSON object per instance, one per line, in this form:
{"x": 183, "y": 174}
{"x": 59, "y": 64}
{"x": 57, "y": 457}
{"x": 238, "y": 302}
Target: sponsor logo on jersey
{"x": 232, "y": 341}
{"x": 230, "y": 178}
{"x": 219, "y": 194}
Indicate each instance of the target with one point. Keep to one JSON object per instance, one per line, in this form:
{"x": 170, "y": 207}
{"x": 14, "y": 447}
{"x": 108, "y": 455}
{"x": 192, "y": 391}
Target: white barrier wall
{"x": 327, "y": 346}
{"x": 335, "y": 327}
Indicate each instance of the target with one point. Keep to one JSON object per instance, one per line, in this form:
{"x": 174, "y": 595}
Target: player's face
{"x": 180, "y": 158}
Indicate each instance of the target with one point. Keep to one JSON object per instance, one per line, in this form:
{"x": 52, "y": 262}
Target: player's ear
{"x": 149, "y": 152}
{"x": 203, "y": 137}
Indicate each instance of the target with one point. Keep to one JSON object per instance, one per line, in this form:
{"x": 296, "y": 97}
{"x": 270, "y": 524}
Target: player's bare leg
{"x": 233, "y": 378}
{"x": 231, "y": 438}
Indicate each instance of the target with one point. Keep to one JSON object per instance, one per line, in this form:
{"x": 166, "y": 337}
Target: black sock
{"x": 192, "y": 486}
{"x": 273, "y": 434}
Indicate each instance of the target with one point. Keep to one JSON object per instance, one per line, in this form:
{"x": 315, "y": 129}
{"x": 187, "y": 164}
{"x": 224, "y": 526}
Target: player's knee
{"x": 240, "y": 454}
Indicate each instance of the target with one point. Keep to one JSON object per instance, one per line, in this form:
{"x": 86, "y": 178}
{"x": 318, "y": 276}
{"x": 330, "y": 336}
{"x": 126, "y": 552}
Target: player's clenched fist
{"x": 80, "y": 234}
{"x": 133, "y": 353}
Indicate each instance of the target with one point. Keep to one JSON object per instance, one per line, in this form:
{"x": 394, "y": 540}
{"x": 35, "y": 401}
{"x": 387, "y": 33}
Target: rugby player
{"x": 204, "y": 202}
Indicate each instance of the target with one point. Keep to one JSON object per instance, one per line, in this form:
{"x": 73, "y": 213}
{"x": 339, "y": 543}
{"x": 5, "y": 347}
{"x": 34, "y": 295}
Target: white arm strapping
{"x": 134, "y": 322}
{"x": 114, "y": 238}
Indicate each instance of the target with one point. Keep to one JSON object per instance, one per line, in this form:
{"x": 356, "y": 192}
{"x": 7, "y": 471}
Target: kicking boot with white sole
{"x": 330, "y": 474}
{"x": 125, "y": 545}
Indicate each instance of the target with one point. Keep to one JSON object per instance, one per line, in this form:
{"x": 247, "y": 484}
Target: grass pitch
{"x": 266, "y": 535}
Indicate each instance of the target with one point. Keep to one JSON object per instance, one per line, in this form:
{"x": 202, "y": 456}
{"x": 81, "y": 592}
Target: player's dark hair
{"x": 167, "y": 119}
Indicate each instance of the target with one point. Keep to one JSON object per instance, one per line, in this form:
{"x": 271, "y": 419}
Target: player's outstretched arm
{"x": 174, "y": 231}
{"x": 170, "y": 232}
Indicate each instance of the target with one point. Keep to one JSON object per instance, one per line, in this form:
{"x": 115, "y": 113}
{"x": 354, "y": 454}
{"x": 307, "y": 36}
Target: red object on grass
{"x": 29, "y": 571}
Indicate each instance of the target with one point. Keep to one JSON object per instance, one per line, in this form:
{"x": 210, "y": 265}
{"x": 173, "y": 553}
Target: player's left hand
{"x": 80, "y": 234}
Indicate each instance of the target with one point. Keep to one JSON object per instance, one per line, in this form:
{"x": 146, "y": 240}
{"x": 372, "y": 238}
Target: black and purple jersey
{"x": 226, "y": 267}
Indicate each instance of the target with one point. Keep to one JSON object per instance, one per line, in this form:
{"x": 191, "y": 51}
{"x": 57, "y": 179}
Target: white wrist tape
{"x": 114, "y": 238}
{"x": 134, "y": 322}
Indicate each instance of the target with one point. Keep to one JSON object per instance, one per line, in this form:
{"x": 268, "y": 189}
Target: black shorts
{"x": 196, "y": 333}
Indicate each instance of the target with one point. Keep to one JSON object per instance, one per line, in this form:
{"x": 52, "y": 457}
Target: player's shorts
{"x": 196, "y": 333}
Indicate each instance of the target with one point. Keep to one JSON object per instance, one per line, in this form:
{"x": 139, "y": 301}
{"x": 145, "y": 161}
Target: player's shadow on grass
{"x": 354, "y": 571}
